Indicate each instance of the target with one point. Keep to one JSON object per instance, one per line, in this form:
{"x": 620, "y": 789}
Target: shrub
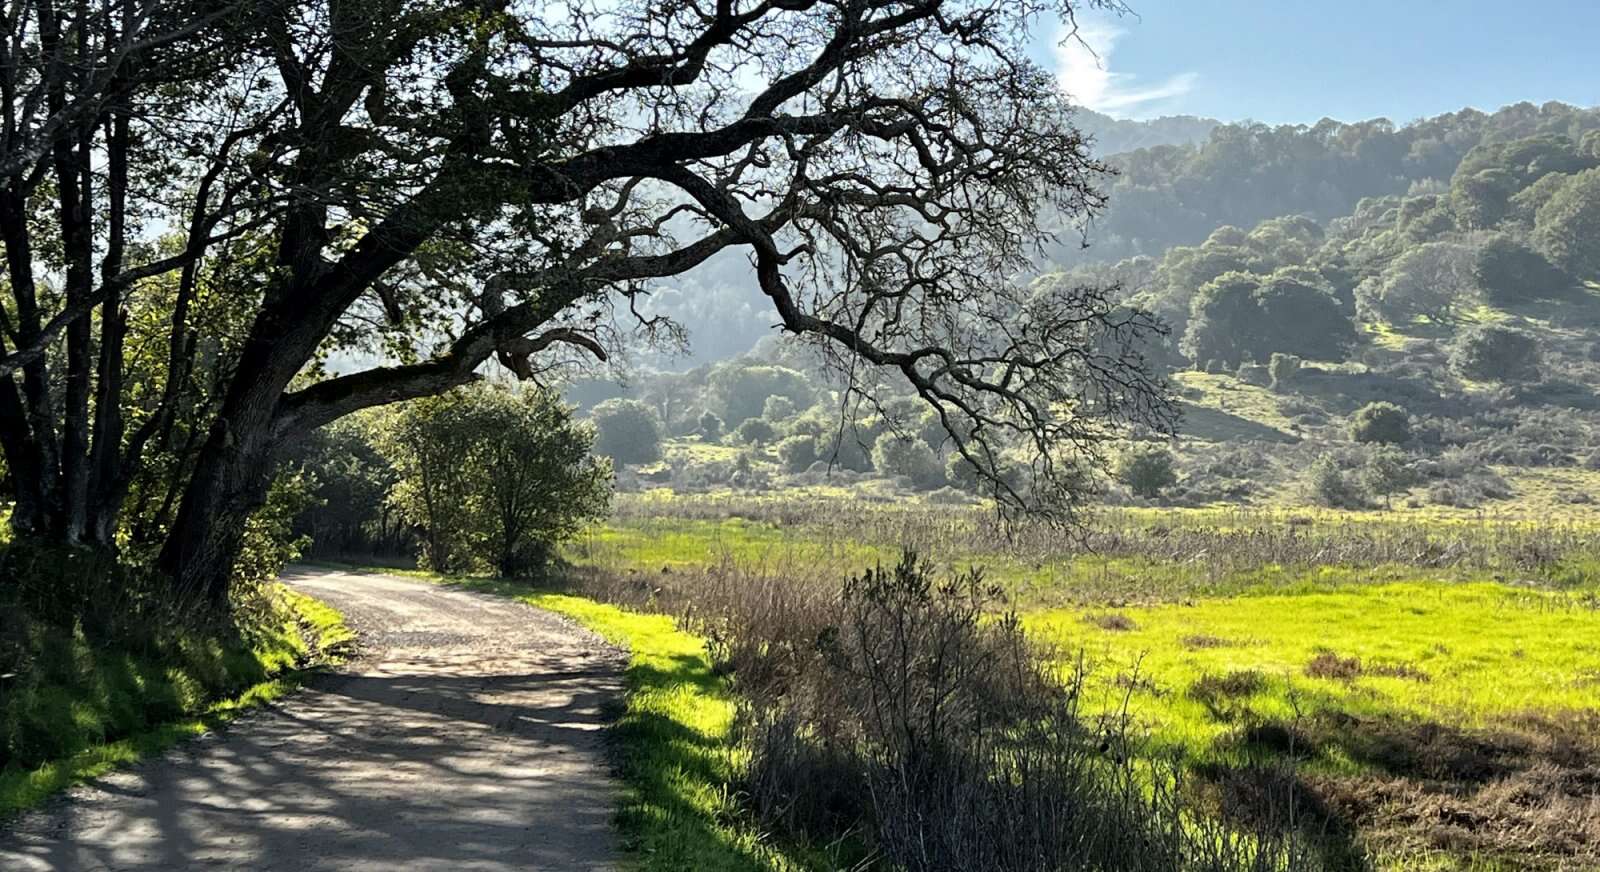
{"x": 1508, "y": 271}
{"x": 1567, "y": 226}
{"x": 1383, "y": 423}
{"x": 1146, "y": 469}
{"x": 494, "y": 478}
{"x": 908, "y": 457}
{"x": 1330, "y": 486}
{"x": 900, "y": 713}
{"x": 844, "y": 449}
{"x": 797, "y": 453}
{"x": 778, "y": 408}
{"x": 1491, "y": 352}
{"x": 1386, "y": 472}
{"x": 1282, "y": 369}
{"x": 626, "y": 431}
{"x": 1430, "y": 280}
{"x": 960, "y": 472}
{"x": 741, "y": 390}
{"x": 1254, "y": 374}
{"x": 710, "y": 426}
{"x": 1240, "y": 317}
{"x": 755, "y": 431}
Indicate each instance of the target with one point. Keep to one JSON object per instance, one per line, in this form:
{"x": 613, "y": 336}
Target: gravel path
{"x": 466, "y": 737}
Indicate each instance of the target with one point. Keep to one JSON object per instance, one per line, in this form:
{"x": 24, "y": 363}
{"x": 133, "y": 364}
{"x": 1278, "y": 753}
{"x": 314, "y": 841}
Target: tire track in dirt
{"x": 467, "y": 736}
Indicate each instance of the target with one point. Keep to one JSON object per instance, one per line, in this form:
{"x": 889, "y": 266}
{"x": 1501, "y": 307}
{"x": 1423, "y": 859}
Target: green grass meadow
{"x": 1422, "y": 657}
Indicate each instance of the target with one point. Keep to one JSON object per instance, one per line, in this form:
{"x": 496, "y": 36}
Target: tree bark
{"x": 235, "y": 466}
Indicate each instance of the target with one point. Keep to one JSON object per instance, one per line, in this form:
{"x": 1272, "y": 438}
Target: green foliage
{"x": 1490, "y": 352}
{"x": 710, "y": 426}
{"x": 1146, "y": 469}
{"x": 740, "y": 390}
{"x": 349, "y": 512}
{"x": 1223, "y": 316}
{"x": 425, "y": 442}
{"x": 1382, "y": 423}
{"x": 82, "y": 707}
{"x": 1248, "y": 173}
{"x": 797, "y": 453}
{"x": 1480, "y": 200}
{"x": 1282, "y": 370}
{"x": 1328, "y": 485}
{"x": 1431, "y": 280}
{"x": 1241, "y": 317}
{"x": 911, "y": 458}
{"x": 494, "y": 478}
{"x": 755, "y": 431}
{"x": 1386, "y": 471}
{"x": 269, "y": 539}
{"x": 627, "y": 431}
{"x": 960, "y": 472}
{"x": 1507, "y": 271}
{"x": 1567, "y": 226}
{"x": 778, "y": 409}
{"x": 844, "y": 448}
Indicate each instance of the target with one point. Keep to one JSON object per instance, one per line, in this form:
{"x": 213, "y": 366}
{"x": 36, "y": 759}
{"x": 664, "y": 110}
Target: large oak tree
{"x": 459, "y": 183}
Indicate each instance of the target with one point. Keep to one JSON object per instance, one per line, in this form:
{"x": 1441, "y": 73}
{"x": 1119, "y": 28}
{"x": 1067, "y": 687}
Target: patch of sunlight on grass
{"x": 1466, "y": 655}
{"x": 1225, "y": 393}
{"x": 678, "y": 543}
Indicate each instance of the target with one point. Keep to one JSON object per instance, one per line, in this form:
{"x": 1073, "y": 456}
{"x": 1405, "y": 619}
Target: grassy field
{"x": 1433, "y": 683}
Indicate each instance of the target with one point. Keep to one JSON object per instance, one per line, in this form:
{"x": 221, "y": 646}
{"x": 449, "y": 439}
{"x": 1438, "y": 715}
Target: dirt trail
{"x": 466, "y": 737}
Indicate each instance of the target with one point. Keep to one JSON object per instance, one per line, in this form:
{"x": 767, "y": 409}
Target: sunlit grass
{"x": 1470, "y": 655}
{"x": 105, "y": 709}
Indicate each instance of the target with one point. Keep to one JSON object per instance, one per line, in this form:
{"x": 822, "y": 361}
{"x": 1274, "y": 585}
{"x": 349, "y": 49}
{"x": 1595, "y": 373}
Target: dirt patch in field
{"x": 1112, "y": 621}
{"x": 1203, "y": 641}
{"x": 1330, "y": 665}
{"x": 1526, "y": 793}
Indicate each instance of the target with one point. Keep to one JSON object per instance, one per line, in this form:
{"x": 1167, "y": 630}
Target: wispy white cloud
{"x": 1083, "y": 68}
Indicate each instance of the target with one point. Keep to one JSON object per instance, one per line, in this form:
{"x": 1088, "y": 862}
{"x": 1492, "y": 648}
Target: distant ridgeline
{"x": 1176, "y": 191}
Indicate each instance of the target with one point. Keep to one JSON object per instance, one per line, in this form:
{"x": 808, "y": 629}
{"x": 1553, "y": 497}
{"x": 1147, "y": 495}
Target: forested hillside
{"x": 1444, "y": 271}
{"x": 1176, "y": 194}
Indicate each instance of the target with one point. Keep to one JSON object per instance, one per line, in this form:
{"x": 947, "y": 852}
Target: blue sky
{"x": 1296, "y": 61}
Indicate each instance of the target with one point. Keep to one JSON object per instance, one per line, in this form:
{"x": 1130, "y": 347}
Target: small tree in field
{"x": 797, "y": 453}
{"x": 626, "y": 431}
{"x": 426, "y": 442}
{"x": 1491, "y": 352}
{"x": 537, "y": 482}
{"x": 912, "y": 458}
{"x": 494, "y": 479}
{"x": 755, "y": 431}
{"x": 710, "y": 426}
{"x": 1328, "y": 485}
{"x": 1146, "y": 470}
{"x": 1384, "y": 423}
{"x": 1386, "y": 473}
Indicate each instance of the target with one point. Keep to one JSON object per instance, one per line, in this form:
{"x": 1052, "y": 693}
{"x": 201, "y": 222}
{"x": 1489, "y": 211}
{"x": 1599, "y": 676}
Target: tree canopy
{"x": 454, "y": 186}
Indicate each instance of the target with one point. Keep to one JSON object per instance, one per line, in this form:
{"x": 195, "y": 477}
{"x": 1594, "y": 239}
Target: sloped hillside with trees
{"x": 1435, "y": 346}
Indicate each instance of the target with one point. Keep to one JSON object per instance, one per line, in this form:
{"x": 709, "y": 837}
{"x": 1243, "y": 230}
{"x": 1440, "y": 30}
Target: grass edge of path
{"x": 328, "y": 641}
